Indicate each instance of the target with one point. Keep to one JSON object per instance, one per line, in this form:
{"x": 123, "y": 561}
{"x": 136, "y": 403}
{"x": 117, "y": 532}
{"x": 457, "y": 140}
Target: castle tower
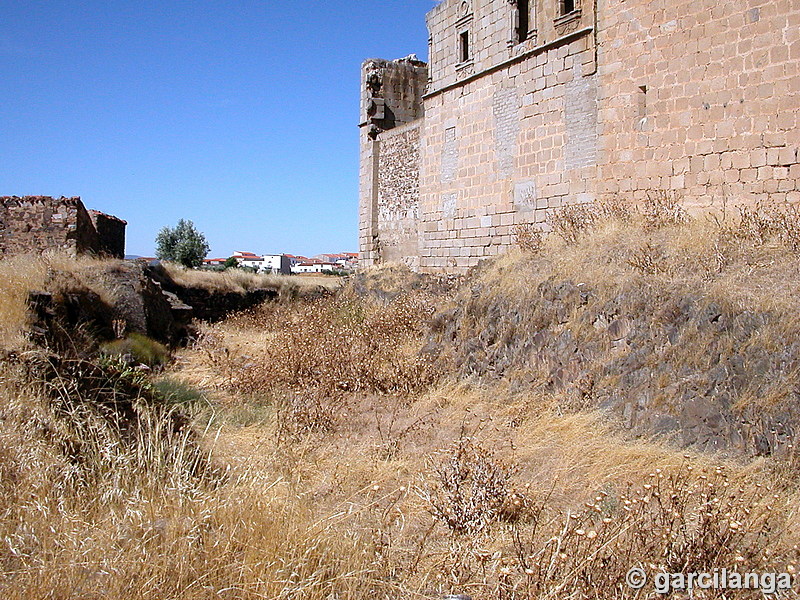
{"x": 391, "y": 116}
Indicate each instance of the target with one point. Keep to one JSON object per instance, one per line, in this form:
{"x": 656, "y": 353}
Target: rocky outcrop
{"x": 662, "y": 360}
{"x": 145, "y": 300}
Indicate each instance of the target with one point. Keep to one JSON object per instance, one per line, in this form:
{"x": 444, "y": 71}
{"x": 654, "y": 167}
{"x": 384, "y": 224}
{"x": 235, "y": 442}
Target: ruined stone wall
{"x": 32, "y": 224}
{"x": 398, "y": 194}
{"x": 700, "y": 98}
{"x": 391, "y": 97}
{"x": 110, "y": 234}
{"x": 36, "y": 223}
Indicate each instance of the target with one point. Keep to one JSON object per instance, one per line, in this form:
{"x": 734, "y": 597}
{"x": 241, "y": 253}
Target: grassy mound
{"x": 677, "y": 326}
{"x": 413, "y": 437}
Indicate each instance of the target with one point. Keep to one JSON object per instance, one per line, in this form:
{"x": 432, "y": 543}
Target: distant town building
{"x": 214, "y": 262}
{"x": 317, "y": 266}
{"x": 345, "y": 261}
{"x": 278, "y": 264}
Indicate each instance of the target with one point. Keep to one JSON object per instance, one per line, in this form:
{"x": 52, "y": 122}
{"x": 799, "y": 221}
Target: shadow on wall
{"x": 39, "y": 223}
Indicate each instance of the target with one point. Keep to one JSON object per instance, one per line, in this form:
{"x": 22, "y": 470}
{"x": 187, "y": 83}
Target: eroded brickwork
{"x": 398, "y": 194}
{"x": 32, "y": 224}
{"x": 617, "y": 98}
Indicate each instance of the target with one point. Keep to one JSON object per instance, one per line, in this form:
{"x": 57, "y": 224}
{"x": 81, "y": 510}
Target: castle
{"x": 528, "y": 105}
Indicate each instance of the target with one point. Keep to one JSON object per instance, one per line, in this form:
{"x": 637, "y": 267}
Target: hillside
{"x": 619, "y": 393}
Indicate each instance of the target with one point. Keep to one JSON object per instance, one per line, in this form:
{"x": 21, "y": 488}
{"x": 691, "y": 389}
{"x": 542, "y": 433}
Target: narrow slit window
{"x": 567, "y": 6}
{"x": 523, "y": 20}
{"x": 641, "y": 101}
{"x": 464, "y": 46}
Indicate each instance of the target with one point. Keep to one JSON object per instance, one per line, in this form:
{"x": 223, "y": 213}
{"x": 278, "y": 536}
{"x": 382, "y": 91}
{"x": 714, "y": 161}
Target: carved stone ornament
{"x": 374, "y": 82}
{"x": 567, "y": 27}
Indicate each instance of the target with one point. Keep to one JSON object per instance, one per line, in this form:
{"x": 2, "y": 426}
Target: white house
{"x": 278, "y": 264}
{"x": 250, "y": 260}
{"x": 314, "y": 267}
{"x": 270, "y": 263}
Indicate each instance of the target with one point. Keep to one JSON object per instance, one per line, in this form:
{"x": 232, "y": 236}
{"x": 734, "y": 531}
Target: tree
{"x": 230, "y": 263}
{"x": 182, "y": 244}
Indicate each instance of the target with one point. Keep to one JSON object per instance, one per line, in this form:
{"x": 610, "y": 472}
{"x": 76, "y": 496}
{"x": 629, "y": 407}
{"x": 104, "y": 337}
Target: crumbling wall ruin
{"x": 110, "y": 234}
{"x": 33, "y": 224}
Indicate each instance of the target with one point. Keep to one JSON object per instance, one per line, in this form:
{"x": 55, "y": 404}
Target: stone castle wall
{"x": 496, "y": 133}
{"x": 700, "y": 97}
{"x": 398, "y": 194}
{"x": 391, "y": 98}
{"x": 621, "y": 98}
{"x": 32, "y": 224}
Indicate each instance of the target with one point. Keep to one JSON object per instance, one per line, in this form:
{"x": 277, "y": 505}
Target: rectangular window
{"x": 523, "y": 19}
{"x": 464, "y": 46}
{"x": 567, "y": 6}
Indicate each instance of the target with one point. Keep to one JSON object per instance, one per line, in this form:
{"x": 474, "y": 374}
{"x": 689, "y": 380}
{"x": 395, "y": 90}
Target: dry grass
{"x": 20, "y": 275}
{"x": 50, "y": 272}
{"x": 639, "y": 319}
{"x": 333, "y": 462}
{"x": 329, "y": 345}
{"x": 489, "y": 488}
{"x": 239, "y": 280}
{"x": 332, "y": 514}
{"x": 309, "y": 355}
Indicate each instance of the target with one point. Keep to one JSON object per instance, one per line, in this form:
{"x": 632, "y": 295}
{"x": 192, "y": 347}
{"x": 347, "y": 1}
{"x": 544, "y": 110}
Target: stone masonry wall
{"x": 700, "y": 98}
{"x": 32, "y": 224}
{"x": 391, "y": 97}
{"x": 508, "y": 135}
{"x": 35, "y": 223}
{"x": 398, "y": 194}
{"x": 622, "y": 98}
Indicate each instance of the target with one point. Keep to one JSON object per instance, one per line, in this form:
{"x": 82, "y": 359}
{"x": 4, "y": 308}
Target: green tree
{"x": 230, "y": 263}
{"x": 182, "y": 244}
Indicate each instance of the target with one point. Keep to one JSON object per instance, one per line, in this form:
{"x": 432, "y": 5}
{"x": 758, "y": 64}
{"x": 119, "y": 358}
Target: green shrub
{"x": 137, "y": 348}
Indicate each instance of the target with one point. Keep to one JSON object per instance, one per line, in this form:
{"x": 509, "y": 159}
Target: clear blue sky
{"x": 241, "y": 116}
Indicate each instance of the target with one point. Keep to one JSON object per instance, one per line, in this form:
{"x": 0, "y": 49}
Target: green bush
{"x": 137, "y": 348}
{"x": 182, "y": 244}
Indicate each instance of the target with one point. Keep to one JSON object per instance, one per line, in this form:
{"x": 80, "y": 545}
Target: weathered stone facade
{"x": 531, "y": 105}
{"x": 110, "y": 234}
{"x": 38, "y": 223}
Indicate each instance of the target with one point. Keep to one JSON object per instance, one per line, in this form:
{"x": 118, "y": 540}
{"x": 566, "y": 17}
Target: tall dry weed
{"x": 19, "y": 275}
{"x": 528, "y": 238}
{"x": 333, "y": 346}
{"x": 662, "y": 209}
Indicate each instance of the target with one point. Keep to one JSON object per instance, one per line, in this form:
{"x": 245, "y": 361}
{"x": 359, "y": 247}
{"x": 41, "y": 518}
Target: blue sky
{"x": 241, "y": 116}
